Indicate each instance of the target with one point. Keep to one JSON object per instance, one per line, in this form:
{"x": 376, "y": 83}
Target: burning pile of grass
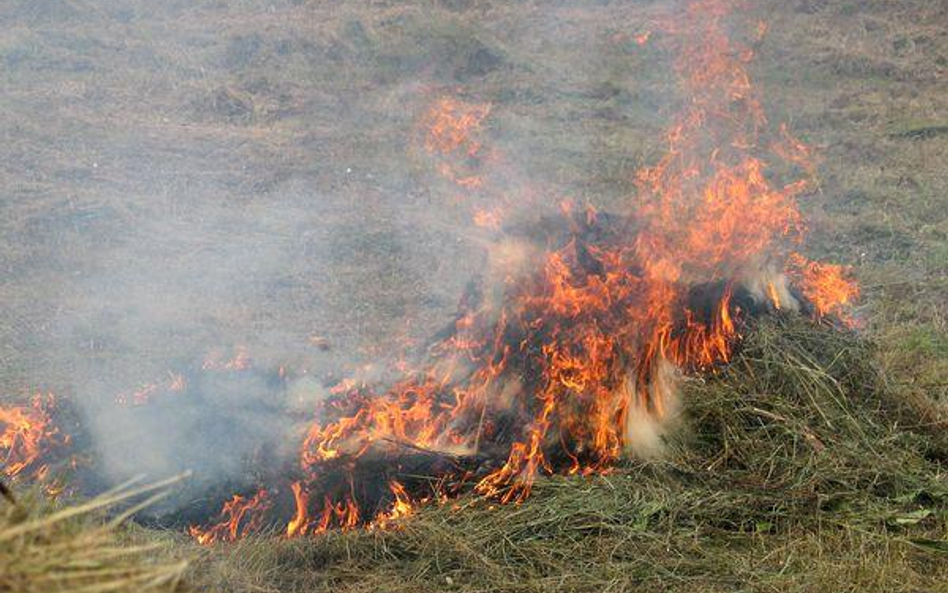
{"x": 45, "y": 548}
{"x": 567, "y": 357}
{"x": 793, "y": 468}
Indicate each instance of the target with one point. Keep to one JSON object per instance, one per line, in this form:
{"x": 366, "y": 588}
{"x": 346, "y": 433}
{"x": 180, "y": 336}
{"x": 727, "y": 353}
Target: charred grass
{"x": 795, "y": 468}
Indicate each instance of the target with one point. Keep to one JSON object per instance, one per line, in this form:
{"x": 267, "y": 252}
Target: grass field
{"x": 182, "y": 176}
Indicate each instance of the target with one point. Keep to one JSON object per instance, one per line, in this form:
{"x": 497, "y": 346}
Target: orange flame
{"x": 239, "y": 517}
{"x": 488, "y": 218}
{"x": 827, "y": 286}
{"x": 401, "y": 507}
{"x": 28, "y": 436}
{"x": 238, "y": 362}
{"x": 451, "y": 134}
{"x": 707, "y": 213}
{"x": 453, "y": 125}
{"x": 300, "y": 522}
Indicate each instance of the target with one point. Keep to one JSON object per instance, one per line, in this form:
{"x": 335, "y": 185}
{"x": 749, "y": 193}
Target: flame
{"x": 706, "y": 212}
{"x": 28, "y": 436}
{"x": 488, "y": 218}
{"x": 452, "y": 129}
{"x": 343, "y": 515}
{"x": 401, "y": 507}
{"x": 239, "y": 516}
{"x": 452, "y": 126}
{"x": 300, "y": 522}
{"x": 239, "y": 361}
{"x": 175, "y": 383}
{"x": 827, "y": 286}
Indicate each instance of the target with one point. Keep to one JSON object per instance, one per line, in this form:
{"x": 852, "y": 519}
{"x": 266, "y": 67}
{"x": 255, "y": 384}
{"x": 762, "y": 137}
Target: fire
{"x": 453, "y": 126}
{"x": 175, "y": 383}
{"x": 827, "y": 286}
{"x": 300, "y": 522}
{"x": 559, "y": 371}
{"x": 239, "y": 361}
{"x": 401, "y": 507}
{"x": 572, "y": 363}
{"x": 343, "y": 515}
{"x": 28, "y": 436}
{"x": 452, "y": 130}
{"x": 489, "y": 218}
{"x": 239, "y": 517}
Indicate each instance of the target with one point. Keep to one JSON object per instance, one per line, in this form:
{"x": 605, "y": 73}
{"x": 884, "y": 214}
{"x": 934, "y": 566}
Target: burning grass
{"x": 569, "y": 359}
{"x": 794, "y": 469}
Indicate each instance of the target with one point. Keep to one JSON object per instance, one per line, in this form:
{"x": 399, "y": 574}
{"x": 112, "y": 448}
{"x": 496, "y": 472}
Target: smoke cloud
{"x": 246, "y": 177}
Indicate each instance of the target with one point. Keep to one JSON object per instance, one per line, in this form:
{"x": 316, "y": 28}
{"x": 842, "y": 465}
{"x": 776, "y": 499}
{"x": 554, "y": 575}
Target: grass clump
{"x": 795, "y": 470}
{"x": 77, "y": 549}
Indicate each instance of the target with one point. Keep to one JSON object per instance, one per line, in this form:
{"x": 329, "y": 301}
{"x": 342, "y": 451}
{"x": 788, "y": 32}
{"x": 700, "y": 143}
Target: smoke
{"x": 196, "y": 238}
{"x": 268, "y": 192}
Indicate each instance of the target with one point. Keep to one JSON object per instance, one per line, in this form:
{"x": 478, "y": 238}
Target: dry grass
{"x": 46, "y": 548}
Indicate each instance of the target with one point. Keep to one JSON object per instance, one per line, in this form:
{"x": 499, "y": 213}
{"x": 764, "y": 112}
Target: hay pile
{"x": 795, "y": 470}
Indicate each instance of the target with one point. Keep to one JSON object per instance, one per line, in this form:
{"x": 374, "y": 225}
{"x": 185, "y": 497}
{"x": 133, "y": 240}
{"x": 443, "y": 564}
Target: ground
{"x": 179, "y": 177}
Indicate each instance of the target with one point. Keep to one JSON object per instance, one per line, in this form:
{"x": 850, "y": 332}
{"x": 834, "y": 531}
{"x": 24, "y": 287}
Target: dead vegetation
{"x": 793, "y": 469}
{"x": 47, "y": 548}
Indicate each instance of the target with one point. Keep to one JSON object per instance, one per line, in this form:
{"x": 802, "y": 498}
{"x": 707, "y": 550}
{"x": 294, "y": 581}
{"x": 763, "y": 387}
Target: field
{"x": 181, "y": 177}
